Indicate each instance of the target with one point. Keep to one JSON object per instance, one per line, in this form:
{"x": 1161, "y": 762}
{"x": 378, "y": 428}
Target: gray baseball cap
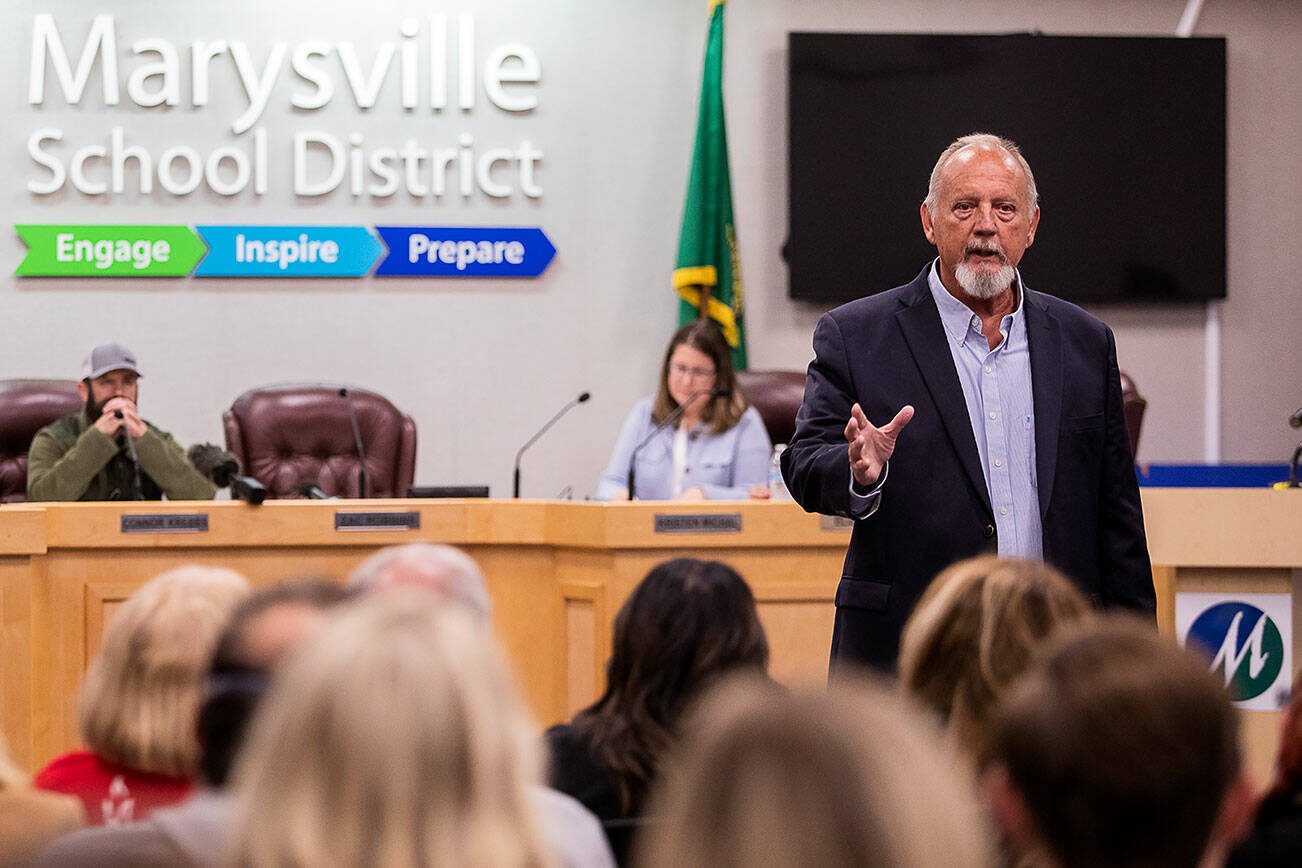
{"x": 108, "y": 357}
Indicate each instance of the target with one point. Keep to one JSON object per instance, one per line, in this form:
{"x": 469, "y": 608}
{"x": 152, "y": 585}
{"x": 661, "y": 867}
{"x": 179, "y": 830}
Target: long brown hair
{"x": 688, "y": 623}
{"x": 721, "y": 413}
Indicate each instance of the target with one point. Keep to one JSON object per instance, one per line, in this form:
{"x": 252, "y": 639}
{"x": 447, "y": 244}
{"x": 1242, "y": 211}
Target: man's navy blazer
{"x": 888, "y": 350}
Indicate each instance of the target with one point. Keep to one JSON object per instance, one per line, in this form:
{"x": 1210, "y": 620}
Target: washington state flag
{"x": 707, "y": 266}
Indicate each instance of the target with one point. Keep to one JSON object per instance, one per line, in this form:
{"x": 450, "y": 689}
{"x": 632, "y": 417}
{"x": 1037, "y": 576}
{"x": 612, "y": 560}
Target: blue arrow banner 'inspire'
{"x": 465, "y": 251}
{"x": 287, "y": 251}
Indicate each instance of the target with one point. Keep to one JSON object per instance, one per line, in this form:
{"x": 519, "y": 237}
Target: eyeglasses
{"x": 691, "y": 373}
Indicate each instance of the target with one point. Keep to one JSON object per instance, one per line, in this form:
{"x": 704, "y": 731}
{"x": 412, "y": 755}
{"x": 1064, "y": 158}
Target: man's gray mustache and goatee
{"x": 983, "y": 283}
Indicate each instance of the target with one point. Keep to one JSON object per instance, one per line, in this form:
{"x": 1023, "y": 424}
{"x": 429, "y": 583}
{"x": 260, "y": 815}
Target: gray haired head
{"x": 448, "y": 572}
{"x": 989, "y": 141}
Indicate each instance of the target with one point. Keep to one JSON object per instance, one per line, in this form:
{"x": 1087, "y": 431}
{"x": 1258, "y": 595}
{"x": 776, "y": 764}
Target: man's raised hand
{"x": 871, "y": 447}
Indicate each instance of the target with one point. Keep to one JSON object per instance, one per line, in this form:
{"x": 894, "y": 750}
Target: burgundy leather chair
{"x": 288, "y": 434}
{"x": 27, "y": 406}
{"x": 776, "y": 395}
{"x": 1132, "y": 407}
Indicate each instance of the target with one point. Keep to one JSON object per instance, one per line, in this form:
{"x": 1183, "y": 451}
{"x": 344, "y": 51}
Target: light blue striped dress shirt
{"x": 997, "y": 388}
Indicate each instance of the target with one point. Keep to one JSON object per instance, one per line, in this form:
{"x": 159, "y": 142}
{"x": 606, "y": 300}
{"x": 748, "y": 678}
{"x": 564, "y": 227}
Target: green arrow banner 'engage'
{"x": 109, "y": 251}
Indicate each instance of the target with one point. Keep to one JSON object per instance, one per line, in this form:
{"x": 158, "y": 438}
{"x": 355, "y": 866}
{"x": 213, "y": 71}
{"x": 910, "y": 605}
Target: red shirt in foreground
{"x": 113, "y": 794}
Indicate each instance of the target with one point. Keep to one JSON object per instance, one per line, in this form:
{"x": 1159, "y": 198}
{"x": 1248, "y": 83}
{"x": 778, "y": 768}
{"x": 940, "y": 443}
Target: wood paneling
{"x": 557, "y": 574}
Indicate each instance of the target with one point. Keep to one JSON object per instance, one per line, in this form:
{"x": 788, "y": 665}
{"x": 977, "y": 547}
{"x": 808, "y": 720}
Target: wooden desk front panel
{"x": 556, "y": 572}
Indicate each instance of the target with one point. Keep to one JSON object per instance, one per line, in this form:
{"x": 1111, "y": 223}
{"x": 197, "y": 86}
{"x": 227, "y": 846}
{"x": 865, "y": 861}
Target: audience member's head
{"x": 1274, "y": 838}
{"x": 138, "y": 703}
{"x": 687, "y": 624}
{"x": 1117, "y": 748}
{"x": 974, "y": 631}
{"x": 1288, "y": 768}
{"x": 448, "y": 572}
{"x": 851, "y": 776}
{"x": 262, "y": 630}
{"x": 392, "y": 737}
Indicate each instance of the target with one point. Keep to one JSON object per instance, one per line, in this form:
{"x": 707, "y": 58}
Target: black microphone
{"x": 1295, "y": 421}
{"x": 357, "y": 441}
{"x": 213, "y": 462}
{"x": 248, "y": 489}
{"x": 312, "y": 491}
{"x": 137, "y": 489}
{"x": 583, "y": 396}
{"x": 669, "y": 420}
{"x": 222, "y": 469}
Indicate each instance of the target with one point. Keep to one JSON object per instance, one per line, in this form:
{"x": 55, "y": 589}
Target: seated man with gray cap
{"x": 107, "y": 452}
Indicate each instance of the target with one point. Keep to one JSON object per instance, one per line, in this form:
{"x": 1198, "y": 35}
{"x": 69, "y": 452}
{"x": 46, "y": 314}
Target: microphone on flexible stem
{"x": 583, "y": 396}
{"x": 137, "y": 489}
{"x": 669, "y": 420}
{"x": 1294, "y": 421}
{"x": 357, "y": 441}
{"x": 312, "y": 491}
{"x": 214, "y": 462}
{"x": 223, "y": 469}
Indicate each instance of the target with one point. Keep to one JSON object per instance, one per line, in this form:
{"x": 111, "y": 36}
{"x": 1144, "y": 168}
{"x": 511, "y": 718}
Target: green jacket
{"x": 71, "y": 460}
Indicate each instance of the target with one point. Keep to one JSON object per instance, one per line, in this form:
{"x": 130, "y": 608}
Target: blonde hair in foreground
{"x": 974, "y": 631}
{"x": 394, "y": 737}
{"x": 847, "y": 777}
{"x": 138, "y": 703}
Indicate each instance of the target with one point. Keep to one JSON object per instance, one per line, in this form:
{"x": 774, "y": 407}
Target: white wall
{"x": 481, "y": 363}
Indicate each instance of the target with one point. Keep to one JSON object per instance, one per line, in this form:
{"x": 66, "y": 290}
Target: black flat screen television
{"x": 1126, "y": 136}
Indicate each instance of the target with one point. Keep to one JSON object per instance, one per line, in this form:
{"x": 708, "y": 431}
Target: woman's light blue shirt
{"x": 724, "y": 466}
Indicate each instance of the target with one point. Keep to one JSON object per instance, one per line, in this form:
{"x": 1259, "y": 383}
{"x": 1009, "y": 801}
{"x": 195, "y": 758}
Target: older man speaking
{"x": 964, "y": 412}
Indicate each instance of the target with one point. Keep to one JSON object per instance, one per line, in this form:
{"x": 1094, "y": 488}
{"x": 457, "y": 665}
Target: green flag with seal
{"x": 708, "y": 275}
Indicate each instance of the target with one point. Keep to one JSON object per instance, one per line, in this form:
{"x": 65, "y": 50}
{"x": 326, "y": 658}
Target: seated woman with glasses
{"x": 714, "y": 446}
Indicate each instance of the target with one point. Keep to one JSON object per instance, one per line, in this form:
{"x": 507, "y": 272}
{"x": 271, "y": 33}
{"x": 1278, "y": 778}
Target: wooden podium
{"x": 1229, "y": 540}
{"x": 557, "y": 573}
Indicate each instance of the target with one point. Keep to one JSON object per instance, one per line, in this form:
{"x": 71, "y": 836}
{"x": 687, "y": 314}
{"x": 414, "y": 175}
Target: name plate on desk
{"x": 165, "y": 523}
{"x": 727, "y": 522}
{"x": 377, "y": 520}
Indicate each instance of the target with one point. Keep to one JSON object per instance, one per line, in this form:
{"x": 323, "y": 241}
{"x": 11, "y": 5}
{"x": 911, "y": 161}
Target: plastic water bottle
{"x": 777, "y": 485}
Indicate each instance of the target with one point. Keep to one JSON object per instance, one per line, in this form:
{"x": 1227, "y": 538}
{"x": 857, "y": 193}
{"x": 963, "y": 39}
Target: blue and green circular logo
{"x": 1246, "y": 647}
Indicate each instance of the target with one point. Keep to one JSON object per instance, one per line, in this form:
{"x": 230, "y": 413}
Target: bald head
{"x": 967, "y": 148}
{"x": 448, "y": 572}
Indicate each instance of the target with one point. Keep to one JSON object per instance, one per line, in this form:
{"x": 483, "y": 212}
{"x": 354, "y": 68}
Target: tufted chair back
{"x": 1132, "y": 407}
{"x": 776, "y": 395}
{"x": 27, "y": 406}
{"x": 287, "y": 434}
